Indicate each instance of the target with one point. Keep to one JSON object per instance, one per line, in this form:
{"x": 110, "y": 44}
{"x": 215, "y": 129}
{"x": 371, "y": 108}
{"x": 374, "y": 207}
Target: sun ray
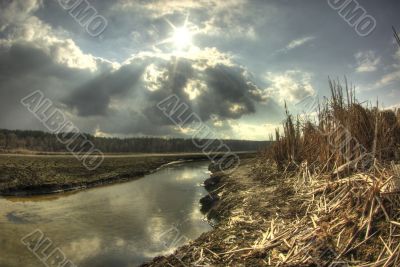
{"x": 180, "y": 37}
{"x": 170, "y": 24}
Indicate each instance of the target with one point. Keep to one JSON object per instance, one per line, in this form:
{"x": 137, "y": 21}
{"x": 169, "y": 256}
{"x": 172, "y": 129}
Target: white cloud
{"x": 388, "y": 79}
{"x": 215, "y": 28}
{"x": 391, "y": 77}
{"x": 290, "y": 86}
{"x": 392, "y": 107}
{"x": 367, "y": 61}
{"x": 295, "y": 43}
{"x": 17, "y": 11}
{"x": 153, "y": 77}
{"x": 251, "y": 131}
{"x": 201, "y": 58}
{"x": 28, "y": 29}
{"x": 161, "y": 8}
{"x": 226, "y": 19}
{"x": 195, "y": 88}
{"x": 299, "y": 42}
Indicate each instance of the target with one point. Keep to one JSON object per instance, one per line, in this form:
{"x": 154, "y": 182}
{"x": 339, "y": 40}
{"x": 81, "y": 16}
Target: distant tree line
{"x": 11, "y": 140}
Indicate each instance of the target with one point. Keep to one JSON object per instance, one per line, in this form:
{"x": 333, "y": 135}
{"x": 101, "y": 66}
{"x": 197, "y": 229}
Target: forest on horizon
{"x": 24, "y": 140}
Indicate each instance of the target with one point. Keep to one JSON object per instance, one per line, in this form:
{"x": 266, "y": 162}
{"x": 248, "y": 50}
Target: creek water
{"x": 119, "y": 225}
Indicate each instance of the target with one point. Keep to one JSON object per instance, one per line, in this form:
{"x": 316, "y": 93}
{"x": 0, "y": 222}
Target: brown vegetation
{"x": 347, "y": 178}
{"x": 326, "y": 194}
{"x": 346, "y": 135}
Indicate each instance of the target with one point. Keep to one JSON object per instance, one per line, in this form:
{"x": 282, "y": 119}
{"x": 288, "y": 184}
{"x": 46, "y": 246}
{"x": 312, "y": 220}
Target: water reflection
{"x": 116, "y": 225}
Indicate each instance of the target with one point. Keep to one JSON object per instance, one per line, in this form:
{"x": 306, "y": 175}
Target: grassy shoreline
{"x": 26, "y": 175}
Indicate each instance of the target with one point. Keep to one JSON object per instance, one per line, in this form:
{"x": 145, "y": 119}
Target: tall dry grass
{"x": 350, "y": 194}
{"x": 346, "y": 134}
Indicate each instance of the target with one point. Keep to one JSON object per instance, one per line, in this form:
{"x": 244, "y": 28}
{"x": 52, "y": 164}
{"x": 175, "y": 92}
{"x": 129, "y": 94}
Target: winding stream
{"x": 119, "y": 225}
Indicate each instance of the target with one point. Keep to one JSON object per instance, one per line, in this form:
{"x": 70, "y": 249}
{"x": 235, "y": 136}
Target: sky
{"x": 233, "y": 63}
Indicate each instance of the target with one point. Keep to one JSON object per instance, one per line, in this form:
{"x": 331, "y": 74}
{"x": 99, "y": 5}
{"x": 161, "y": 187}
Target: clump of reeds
{"x": 347, "y": 135}
{"x": 348, "y": 182}
{"x": 287, "y": 151}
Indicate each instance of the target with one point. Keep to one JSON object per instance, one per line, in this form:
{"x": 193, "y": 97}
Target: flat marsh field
{"x": 44, "y": 174}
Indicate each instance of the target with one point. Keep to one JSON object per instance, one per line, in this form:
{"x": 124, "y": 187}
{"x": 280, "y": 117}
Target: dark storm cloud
{"x": 25, "y": 69}
{"x": 178, "y": 73}
{"x": 20, "y": 60}
{"x": 24, "y": 60}
{"x": 93, "y": 98}
{"x": 228, "y": 87}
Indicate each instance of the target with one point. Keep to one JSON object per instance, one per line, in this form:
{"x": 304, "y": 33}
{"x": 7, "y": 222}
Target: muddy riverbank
{"x": 266, "y": 217}
{"x": 241, "y": 204}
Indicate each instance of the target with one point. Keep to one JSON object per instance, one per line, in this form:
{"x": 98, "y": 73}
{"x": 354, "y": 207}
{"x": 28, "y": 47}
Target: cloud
{"x": 290, "y": 86}
{"x": 367, "y": 61}
{"x": 94, "y": 97}
{"x": 162, "y": 7}
{"x": 295, "y": 44}
{"x": 116, "y": 98}
{"x": 34, "y": 56}
{"x": 211, "y": 18}
{"x": 391, "y": 77}
{"x": 122, "y": 100}
{"x": 31, "y": 30}
{"x": 299, "y": 42}
{"x": 209, "y": 88}
{"x": 388, "y": 79}
{"x": 251, "y": 131}
{"x": 16, "y": 12}
{"x": 25, "y": 69}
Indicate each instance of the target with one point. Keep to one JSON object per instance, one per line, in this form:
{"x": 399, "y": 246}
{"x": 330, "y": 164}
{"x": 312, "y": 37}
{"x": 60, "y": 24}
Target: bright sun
{"x": 182, "y": 37}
